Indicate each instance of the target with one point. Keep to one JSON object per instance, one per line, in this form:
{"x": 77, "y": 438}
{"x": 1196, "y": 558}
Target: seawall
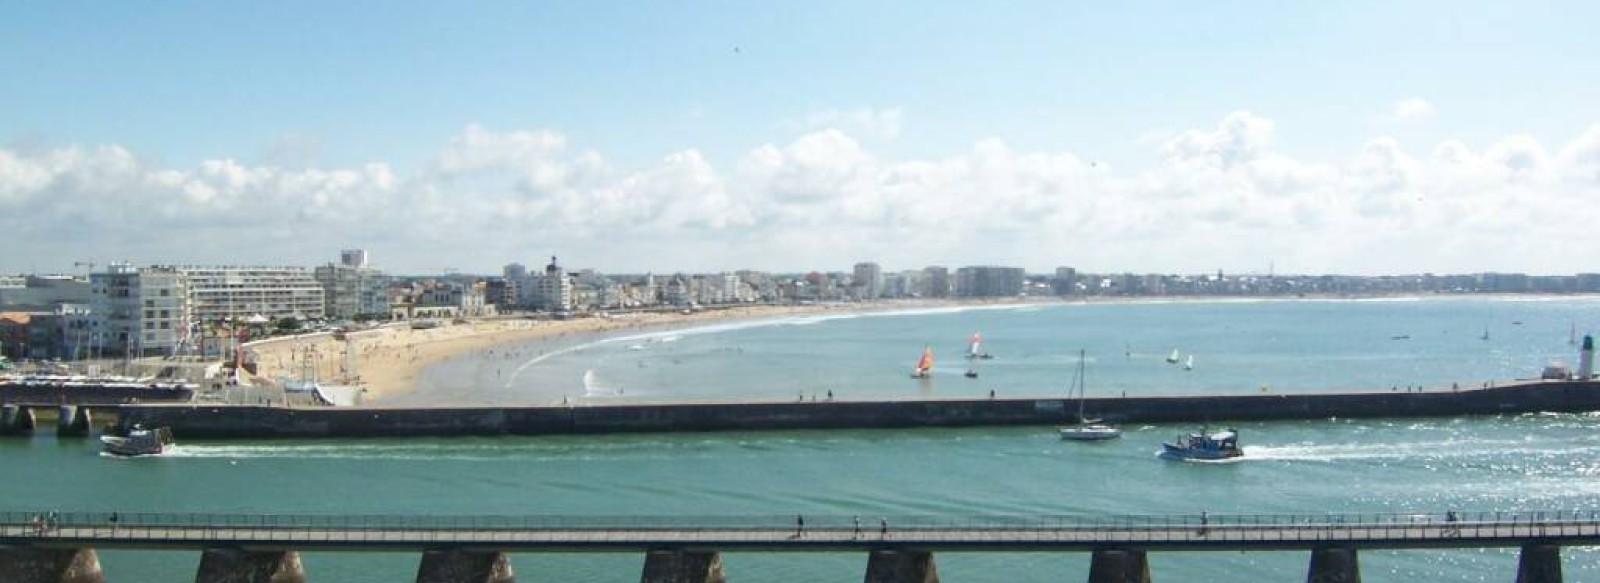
{"x": 224, "y": 421}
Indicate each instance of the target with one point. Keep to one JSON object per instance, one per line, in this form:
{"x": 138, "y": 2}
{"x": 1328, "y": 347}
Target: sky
{"x": 1176, "y": 137}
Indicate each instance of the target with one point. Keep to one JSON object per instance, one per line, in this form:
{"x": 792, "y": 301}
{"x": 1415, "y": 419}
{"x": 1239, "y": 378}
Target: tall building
{"x": 868, "y": 278}
{"x": 935, "y": 282}
{"x": 227, "y": 293}
{"x": 552, "y": 291}
{"x": 356, "y": 258}
{"x": 1065, "y": 282}
{"x": 139, "y": 312}
{"x": 351, "y": 289}
{"x": 989, "y": 282}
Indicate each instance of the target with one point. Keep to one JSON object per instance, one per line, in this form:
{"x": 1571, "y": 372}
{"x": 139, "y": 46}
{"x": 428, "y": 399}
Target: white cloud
{"x": 875, "y": 123}
{"x": 1411, "y": 108}
{"x": 1220, "y": 196}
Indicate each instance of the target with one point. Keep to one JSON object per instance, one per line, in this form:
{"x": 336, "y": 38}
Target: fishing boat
{"x": 1204, "y": 446}
{"x": 1087, "y": 429}
{"x": 139, "y": 441}
{"x": 1173, "y": 358}
{"x": 924, "y": 367}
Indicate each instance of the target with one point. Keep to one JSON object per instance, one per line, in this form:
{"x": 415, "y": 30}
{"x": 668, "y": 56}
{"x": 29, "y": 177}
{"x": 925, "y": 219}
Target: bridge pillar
{"x": 1539, "y": 564}
{"x": 682, "y": 567}
{"x": 1334, "y": 565}
{"x": 16, "y": 420}
{"x": 886, "y": 566}
{"x": 229, "y": 565}
{"x": 1118, "y": 566}
{"x": 36, "y": 565}
{"x": 464, "y": 567}
{"x": 72, "y": 421}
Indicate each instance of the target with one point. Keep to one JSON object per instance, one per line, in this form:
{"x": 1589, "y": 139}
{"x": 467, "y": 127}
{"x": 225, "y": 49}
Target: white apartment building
{"x": 225, "y": 293}
{"x": 140, "y": 312}
{"x": 350, "y": 291}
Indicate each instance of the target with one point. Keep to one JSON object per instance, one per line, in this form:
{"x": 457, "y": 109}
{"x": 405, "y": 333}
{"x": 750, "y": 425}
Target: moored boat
{"x": 1087, "y": 429}
{"x": 139, "y": 441}
{"x": 1204, "y": 446}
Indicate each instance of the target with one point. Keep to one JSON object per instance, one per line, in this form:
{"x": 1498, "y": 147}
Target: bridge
{"x": 60, "y": 547}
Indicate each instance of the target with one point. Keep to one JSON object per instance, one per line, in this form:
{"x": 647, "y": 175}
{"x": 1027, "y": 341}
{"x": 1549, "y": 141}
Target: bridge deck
{"x": 772, "y": 534}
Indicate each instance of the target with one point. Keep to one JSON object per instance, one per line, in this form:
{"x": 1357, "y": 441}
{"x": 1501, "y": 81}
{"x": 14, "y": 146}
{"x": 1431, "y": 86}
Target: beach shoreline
{"x": 389, "y": 361}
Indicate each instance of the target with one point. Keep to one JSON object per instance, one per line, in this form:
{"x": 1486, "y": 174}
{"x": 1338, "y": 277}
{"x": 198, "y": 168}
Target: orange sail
{"x": 925, "y": 363}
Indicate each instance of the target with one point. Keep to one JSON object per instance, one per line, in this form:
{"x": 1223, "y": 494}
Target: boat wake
{"x": 1436, "y": 450}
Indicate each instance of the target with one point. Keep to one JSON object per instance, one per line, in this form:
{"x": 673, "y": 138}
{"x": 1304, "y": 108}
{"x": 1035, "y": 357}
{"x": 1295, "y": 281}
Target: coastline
{"x": 389, "y": 360}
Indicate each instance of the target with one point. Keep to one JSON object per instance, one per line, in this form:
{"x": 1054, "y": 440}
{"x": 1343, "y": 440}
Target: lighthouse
{"x": 1586, "y": 358}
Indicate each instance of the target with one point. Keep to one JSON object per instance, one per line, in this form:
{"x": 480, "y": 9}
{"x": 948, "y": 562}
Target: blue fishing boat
{"x": 1204, "y": 446}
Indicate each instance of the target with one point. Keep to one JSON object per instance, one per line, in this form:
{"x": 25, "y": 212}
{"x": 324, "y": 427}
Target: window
{"x": 149, "y": 303}
{"x": 166, "y": 313}
{"x": 166, "y": 325}
{"x": 166, "y": 292}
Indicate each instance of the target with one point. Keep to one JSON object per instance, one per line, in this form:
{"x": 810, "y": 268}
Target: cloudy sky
{"x": 1345, "y": 137}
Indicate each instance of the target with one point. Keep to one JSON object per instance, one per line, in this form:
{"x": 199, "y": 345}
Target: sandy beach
{"x": 387, "y": 360}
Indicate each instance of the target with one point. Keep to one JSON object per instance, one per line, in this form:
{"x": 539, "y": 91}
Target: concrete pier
{"x": 1539, "y": 564}
{"x": 73, "y": 421}
{"x": 901, "y": 567}
{"x": 191, "y": 421}
{"x": 231, "y": 565}
{"x": 16, "y": 420}
{"x": 1334, "y": 565}
{"x": 1119, "y": 566}
{"x": 464, "y": 567}
{"x": 682, "y": 567}
{"x": 37, "y": 565}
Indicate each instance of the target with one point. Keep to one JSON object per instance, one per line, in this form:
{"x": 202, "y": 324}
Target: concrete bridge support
{"x": 16, "y": 420}
{"x": 464, "y": 567}
{"x": 1334, "y": 565}
{"x": 682, "y": 567}
{"x": 229, "y": 565}
{"x": 1539, "y": 564}
{"x": 901, "y": 567}
{"x": 72, "y": 421}
{"x": 1119, "y": 566}
{"x": 36, "y": 565}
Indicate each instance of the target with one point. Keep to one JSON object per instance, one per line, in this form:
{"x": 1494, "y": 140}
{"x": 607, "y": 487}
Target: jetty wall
{"x": 240, "y": 421}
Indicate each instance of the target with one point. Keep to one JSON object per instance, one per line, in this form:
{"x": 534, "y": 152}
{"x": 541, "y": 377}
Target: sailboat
{"x": 973, "y": 348}
{"x": 1087, "y": 429}
{"x": 1189, "y": 364}
{"x": 924, "y": 364}
{"x": 1173, "y": 358}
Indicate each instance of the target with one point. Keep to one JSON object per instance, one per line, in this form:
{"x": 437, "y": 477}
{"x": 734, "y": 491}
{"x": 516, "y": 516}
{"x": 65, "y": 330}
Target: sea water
{"x": 1506, "y": 463}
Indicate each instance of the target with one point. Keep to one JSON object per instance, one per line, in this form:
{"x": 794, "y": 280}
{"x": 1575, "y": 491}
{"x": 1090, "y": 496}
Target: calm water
{"x": 1502, "y": 463}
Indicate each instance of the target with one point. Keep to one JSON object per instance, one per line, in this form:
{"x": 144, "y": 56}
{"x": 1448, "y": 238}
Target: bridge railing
{"x": 1044, "y": 528}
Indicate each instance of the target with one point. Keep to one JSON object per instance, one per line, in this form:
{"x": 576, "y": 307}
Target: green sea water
{"x": 1508, "y": 463}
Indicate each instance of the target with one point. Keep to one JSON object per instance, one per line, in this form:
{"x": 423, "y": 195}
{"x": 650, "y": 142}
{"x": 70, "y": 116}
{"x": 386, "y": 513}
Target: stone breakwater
{"x": 211, "y": 421}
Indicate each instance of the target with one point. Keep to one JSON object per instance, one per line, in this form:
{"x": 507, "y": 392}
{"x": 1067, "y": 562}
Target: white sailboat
{"x": 1087, "y": 429}
{"x": 1173, "y": 358}
{"x": 1189, "y": 364}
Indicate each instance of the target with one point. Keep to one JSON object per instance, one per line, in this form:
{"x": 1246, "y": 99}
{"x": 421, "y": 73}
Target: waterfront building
{"x": 552, "y": 291}
{"x": 989, "y": 282}
{"x": 1065, "y": 282}
{"x": 41, "y": 293}
{"x": 350, "y": 288}
{"x": 676, "y": 292}
{"x": 141, "y": 312}
{"x": 935, "y": 282}
{"x": 236, "y": 292}
{"x": 867, "y": 281}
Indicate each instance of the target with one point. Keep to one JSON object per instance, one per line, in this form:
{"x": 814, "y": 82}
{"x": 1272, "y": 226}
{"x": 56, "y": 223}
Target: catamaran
{"x": 924, "y": 365}
{"x": 1087, "y": 429}
{"x": 973, "y": 348}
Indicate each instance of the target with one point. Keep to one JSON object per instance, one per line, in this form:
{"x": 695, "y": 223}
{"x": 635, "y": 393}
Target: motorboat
{"x": 139, "y": 441}
{"x": 1204, "y": 446}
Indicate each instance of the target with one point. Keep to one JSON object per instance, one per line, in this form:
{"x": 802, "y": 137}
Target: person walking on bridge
{"x": 857, "y": 519}
{"x": 883, "y": 528}
{"x": 799, "y": 525}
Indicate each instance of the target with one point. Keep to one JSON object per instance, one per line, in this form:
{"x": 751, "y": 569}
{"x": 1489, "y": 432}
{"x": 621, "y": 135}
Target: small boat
{"x": 971, "y": 374}
{"x": 1204, "y": 446}
{"x": 1087, "y": 429}
{"x": 924, "y": 364}
{"x": 973, "y": 351}
{"x": 1173, "y": 358}
{"x": 1189, "y": 364}
{"x": 139, "y": 441}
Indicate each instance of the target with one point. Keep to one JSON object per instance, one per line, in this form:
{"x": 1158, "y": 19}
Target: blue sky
{"x": 287, "y": 87}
